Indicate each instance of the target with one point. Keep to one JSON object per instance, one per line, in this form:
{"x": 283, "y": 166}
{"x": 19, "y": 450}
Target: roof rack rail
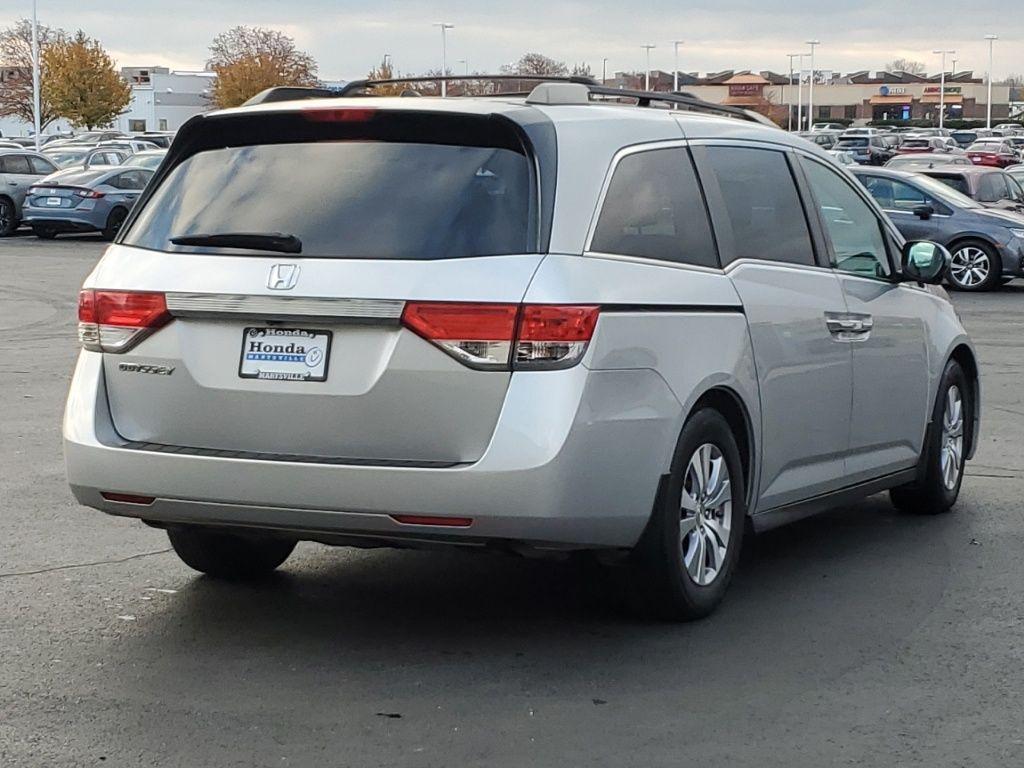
{"x": 551, "y": 89}
{"x": 358, "y": 87}
{"x": 350, "y": 88}
{"x": 681, "y": 100}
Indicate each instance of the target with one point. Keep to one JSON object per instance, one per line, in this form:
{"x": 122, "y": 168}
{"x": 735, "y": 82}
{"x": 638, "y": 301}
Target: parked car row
{"x": 91, "y": 192}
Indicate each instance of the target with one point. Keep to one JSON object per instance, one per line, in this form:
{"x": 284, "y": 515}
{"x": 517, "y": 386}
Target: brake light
{"x": 115, "y": 321}
{"x": 90, "y": 194}
{"x": 504, "y": 336}
{"x": 345, "y": 115}
{"x": 553, "y": 336}
{"x": 479, "y": 335}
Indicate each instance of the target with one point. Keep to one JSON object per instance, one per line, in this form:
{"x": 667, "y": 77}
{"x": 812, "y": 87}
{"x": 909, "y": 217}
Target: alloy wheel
{"x": 952, "y": 446}
{"x": 970, "y": 266}
{"x": 705, "y": 514}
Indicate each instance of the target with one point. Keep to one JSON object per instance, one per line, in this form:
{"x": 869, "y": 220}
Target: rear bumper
{"x": 575, "y": 461}
{"x": 68, "y": 220}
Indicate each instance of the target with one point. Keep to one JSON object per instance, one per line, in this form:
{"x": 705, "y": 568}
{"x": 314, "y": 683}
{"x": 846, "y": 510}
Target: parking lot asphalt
{"x": 861, "y": 637}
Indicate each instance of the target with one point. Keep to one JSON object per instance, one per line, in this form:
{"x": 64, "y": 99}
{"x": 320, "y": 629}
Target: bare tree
{"x": 1013, "y": 80}
{"x": 536, "y": 64}
{"x": 909, "y": 66}
{"x": 16, "y": 78}
{"x": 581, "y": 69}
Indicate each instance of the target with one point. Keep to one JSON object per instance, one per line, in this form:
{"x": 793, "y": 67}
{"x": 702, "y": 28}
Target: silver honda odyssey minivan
{"x": 533, "y": 324}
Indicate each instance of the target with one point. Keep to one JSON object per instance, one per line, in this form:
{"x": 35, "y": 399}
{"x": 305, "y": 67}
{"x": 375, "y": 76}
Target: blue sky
{"x": 347, "y": 38}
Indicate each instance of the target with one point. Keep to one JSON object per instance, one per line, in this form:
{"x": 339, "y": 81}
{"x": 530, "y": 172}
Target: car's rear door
{"x": 278, "y": 353}
{"x": 794, "y": 307}
{"x": 18, "y": 177}
{"x": 888, "y": 333}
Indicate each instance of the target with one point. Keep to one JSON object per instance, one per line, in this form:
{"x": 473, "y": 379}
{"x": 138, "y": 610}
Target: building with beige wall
{"x": 859, "y": 96}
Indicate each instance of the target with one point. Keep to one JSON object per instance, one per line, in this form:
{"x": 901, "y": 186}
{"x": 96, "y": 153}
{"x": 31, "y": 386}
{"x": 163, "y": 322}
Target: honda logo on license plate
{"x": 283, "y": 277}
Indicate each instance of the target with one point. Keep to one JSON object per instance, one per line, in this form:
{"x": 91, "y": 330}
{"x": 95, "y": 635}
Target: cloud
{"x": 347, "y": 38}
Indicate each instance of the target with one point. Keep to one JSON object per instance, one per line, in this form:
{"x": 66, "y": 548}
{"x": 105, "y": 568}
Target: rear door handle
{"x": 849, "y": 326}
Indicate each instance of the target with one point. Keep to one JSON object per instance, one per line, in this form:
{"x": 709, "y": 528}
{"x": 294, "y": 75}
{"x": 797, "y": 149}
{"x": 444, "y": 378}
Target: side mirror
{"x": 925, "y": 262}
{"x": 924, "y": 212}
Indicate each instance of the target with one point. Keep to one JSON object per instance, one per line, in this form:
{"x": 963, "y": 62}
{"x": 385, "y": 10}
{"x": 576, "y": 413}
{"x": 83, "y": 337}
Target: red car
{"x": 998, "y": 154}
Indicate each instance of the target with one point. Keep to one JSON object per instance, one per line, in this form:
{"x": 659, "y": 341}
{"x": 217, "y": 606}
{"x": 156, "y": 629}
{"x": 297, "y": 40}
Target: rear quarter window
{"x": 654, "y": 209}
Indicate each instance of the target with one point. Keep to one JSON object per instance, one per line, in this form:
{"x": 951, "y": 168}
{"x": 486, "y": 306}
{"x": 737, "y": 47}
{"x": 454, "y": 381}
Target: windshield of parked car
{"x": 144, "y": 161}
{"x": 944, "y": 193}
{"x": 958, "y": 183}
{"x": 68, "y": 156}
{"x": 917, "y": 143}
{"x": 849, "y": 142}
{"x": 349, "y": 199}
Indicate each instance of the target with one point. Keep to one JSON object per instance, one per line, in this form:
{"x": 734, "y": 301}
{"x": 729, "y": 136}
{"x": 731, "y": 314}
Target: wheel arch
{"x": 730, "y": 405}
{"x": 967, "y": 360}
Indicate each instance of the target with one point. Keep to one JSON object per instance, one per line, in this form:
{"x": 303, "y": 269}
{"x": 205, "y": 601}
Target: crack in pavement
{"x": 53, "y": 568}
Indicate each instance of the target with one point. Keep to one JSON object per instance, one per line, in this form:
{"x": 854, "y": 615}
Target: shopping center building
{"x": 858, "y": 96}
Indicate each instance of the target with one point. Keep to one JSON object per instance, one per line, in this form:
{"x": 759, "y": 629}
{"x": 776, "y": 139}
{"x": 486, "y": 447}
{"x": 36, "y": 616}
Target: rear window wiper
{"x": 257, "y": 241}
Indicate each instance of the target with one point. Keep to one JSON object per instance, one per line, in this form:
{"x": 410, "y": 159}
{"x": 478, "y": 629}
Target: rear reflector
{"x": 484, "y": 335}
{"x": 128, "y": 498}
{"x": 448, "y": 522}
{"x": 115, "y": 321}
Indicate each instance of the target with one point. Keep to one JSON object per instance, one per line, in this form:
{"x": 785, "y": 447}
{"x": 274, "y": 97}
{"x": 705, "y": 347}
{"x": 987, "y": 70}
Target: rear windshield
{"x": 917, "y": 143}
{"x": 844, "y": 143}
{"x": 986, "y": 146}
{"x": 959, "y": 183}
{"x": 349, "y": 199}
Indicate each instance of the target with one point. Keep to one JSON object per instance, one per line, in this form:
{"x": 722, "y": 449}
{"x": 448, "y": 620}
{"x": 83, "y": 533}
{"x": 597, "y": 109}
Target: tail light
{"x": 115, "y": 321}
{"x": 505, "y": 336}
{"x": 90, "y": 194}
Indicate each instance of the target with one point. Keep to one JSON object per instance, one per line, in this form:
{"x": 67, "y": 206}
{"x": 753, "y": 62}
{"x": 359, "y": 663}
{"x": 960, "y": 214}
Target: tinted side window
{"x": 655, "y": 209}
{"x": 853, "y": 228}
{"x": 762, "y": 206}
{"x": 15, "y": 164}
{"x": 42, "y": 167}
{"x": 893, "y": 194}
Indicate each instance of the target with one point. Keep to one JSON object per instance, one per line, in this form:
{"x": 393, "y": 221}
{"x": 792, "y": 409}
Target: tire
{"x": 8, "y": 217}
{"x": 975, "y": 266}
{"x": 941, "y": 472}
{"x": 114, "y": 222}
{"x": 44, "y": 232}
{"x": 229, "y": 556}
{"x": 670, "y": 577}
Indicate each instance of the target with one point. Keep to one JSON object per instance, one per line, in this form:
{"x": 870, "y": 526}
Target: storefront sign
{"x": 746, "y": 89}
{"x": 949, "y": 89}
{"x": 887, "y": 90}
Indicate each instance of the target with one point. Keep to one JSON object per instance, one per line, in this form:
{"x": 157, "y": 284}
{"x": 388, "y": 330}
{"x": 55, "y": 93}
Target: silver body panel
{"x": 569, "y": 458}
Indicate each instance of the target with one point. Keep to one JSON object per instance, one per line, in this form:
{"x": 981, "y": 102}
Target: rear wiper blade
{"x": 257, "y": 241}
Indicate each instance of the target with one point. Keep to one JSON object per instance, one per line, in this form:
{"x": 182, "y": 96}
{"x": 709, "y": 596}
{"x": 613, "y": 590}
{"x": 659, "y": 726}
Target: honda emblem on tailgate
{"x": 283, "y": 277}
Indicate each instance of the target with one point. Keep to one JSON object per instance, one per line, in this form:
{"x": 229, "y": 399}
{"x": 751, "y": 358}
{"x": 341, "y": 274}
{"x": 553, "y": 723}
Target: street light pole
{"x": 810, "y": 91}
{"x": 647, "y": 76}
{"x": 604, "y": 71}
{"x": 942, "y": 87}
{"x": 675, "y": 67}
{"x": 445, "y": 26}
{"x": 788, "y": 93}
{"x": 36, "y": 117}
{"x": 800, "y": 94}
{"x": 988, "y": 106}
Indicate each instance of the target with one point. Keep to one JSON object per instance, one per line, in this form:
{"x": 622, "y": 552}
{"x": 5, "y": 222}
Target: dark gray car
{"x": 987, "y": 245}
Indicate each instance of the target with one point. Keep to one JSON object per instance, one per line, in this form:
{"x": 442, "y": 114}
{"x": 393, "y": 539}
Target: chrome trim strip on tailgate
{"x": 217, "y": 453}
{"x": 249, "y": 305}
